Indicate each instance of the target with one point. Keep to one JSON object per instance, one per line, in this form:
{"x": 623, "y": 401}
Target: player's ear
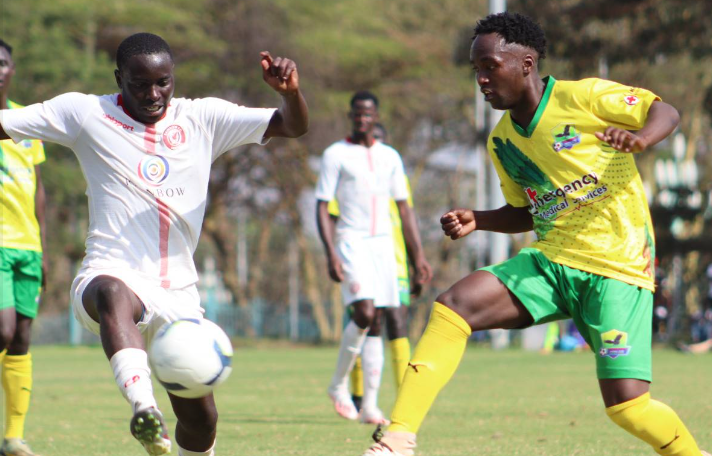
{"x": 528, "y": 64}
{"x": 117, "y": 75}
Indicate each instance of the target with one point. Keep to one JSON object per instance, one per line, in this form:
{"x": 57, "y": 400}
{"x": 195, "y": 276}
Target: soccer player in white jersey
{"x": 146, "y": 157}
{"x": 364, "y": 175}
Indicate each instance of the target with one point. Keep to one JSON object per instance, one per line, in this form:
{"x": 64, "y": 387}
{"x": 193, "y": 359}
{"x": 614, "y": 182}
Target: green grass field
{"x": 275, "y": 403}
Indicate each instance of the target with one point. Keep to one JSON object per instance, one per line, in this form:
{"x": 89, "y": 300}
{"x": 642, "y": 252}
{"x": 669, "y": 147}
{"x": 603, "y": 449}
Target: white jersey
{"x": 147, "y": 184}
{"x": 363, "y": 180}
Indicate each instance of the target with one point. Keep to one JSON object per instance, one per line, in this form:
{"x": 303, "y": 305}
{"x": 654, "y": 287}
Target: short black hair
{"x": 514, "y": 28}
{"x": 362, "y": 95}
{"x": 141, "y": 44}
{"x": 6, "y": 46}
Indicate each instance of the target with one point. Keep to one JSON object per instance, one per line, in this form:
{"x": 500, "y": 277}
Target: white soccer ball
{"x": 190, "y": 357}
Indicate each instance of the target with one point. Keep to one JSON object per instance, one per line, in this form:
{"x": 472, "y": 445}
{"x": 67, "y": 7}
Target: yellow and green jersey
{"x": 18, "y": 222}
{"x": 398, "y": 240}
{"x": 587, "y": 199}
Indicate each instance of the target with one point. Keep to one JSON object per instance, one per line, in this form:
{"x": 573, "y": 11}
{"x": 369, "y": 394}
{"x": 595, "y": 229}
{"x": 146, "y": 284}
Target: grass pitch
{"x": 275, "y": 403}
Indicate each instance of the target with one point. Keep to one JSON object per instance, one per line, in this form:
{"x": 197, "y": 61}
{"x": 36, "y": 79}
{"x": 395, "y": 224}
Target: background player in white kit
{"x": 146, "y": 157}
{"x": 364, "y": 175}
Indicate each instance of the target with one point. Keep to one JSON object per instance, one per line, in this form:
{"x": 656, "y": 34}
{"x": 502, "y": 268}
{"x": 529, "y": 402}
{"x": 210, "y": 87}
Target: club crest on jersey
{"x": 631, "y": 100}
{"x": 173, "y": 136}
{"x": 565, "y": 137}
{"x": 153, "y": 170}
{"x": 614, "y": 344}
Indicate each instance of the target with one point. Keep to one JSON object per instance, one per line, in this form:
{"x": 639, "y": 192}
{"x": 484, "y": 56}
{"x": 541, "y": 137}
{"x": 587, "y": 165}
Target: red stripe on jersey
{"x": 149, "y": 139}
{"x": 164, "y": 219}
{"x": 164, "y": 225}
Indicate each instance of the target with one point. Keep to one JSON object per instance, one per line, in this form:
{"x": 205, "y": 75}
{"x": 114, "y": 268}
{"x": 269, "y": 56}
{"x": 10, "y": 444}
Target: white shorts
{"x": 161, "y": 305}
{"x": 369, "y": 267}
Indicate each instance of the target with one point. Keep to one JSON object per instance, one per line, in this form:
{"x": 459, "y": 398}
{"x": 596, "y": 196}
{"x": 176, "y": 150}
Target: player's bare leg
{"x": 196, "y": 427}
{"x": 117, "y": 309}
{"x": 477, "y": 302}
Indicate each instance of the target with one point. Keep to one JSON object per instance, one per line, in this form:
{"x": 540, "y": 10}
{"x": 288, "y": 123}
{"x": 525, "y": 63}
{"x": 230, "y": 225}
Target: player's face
{"x": 498, "y": 70}
{"x": 379, "y": 134}
{"x": 7, "y": 70}
{"x": 146, "y": 83}
{"x": 363, "y": 116}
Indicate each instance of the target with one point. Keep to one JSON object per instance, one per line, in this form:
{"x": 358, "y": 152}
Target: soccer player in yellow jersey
{"x": 21, "y": 266}
{"x": 563, "y": 152}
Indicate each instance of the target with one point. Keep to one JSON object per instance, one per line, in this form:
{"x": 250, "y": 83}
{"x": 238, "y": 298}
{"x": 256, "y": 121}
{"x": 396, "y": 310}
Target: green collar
{"x": 527, "y": 133}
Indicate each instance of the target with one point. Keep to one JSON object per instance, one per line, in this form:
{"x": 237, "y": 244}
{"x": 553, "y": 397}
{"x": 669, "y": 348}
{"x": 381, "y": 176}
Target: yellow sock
{"x": 17, "y": 383}
{"x": 2, "y": 355}
{"x": 656, "y": 424}
{"x": 400, "y": 355}
{"x": 436, "y": 358}
{"x": 357, "y": 379}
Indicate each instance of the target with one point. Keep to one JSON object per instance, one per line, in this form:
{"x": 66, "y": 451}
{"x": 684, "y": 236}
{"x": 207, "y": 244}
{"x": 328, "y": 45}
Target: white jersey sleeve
{"x": 328, "y": 175}
{"x": 58, "y": 120}
{"x": 231, "y": 125}
{"x": 399, "y": 184}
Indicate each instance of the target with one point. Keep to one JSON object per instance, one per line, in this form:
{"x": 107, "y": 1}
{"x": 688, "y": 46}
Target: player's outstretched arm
{"x": 291, "y": 120}
{"x": 411, "y": 235}
{"x": 458, "y": 223}
{"x": 661, "y": 121}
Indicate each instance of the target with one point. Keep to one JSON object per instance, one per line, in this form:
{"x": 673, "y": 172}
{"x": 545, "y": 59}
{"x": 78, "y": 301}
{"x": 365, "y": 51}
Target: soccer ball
{"x": 190, "y": 357}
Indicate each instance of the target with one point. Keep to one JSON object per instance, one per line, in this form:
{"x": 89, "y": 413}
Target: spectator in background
{"x": 701, "y": 327}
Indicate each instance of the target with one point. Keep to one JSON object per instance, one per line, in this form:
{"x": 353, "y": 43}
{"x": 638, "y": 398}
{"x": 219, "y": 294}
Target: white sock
{"x": 351, "y": 343}
{"x": 133, "y": 376}
{"x": 372, "y": 361}
{"x": 184, "y": 452}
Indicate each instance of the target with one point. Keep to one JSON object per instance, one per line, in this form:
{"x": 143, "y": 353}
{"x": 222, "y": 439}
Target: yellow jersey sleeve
{"x": 622, "y": 106}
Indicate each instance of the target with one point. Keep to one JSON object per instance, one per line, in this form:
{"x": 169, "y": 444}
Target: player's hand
{"x": 280, "y": 73}
{"x": 622, "y": 140}
{"x": 423, "y": 272}
{"x": 336, "y": 269}
{"x": 458, "y": 223}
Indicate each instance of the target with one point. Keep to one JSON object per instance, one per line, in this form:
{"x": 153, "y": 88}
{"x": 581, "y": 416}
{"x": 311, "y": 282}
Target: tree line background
{"x": 412, "y": 53}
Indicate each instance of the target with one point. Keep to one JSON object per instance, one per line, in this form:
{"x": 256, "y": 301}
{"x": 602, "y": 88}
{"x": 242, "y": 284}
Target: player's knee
{"x": 364, "y": 316}
{"x": 20, "y": 344}
{"x": 106, "y": 293}
{"x": 397, "y": 327}
{"x": 7, "y": 333}
{"x": 451, "y": 300}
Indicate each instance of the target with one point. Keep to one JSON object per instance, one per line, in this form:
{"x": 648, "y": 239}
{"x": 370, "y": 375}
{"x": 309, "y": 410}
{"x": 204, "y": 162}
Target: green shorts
{"x": 404, "y": 290}
{"x": 20, "y": 280}
{"x": 614, "y": 317}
